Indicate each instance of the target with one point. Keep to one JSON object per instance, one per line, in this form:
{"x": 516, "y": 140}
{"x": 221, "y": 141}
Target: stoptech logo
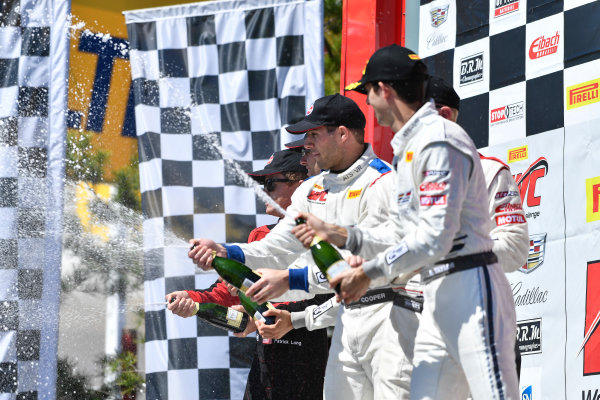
{"x": 504, "y": 7}
{"x": 582, "y": 94}
{"x": 527, "y": 182}
{"x": 471, "y": 69}
{"x": 544, "y": 46}
{"x": 517, "y": 154}
{"x": 507, "y": 113}
{"x": 510, "y": 219}
{"x": 537, "y": 249}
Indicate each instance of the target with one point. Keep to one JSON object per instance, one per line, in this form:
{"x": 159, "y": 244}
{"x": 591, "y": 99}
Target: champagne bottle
{"x": 234, "y": 272}
{"x": 220, "y": 316}
{"x": 327, "y": 258}
{"x": 256, "y": 310}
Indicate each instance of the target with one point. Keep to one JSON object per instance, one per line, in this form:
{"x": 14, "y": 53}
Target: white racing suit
{"x": 467, "y": 328}
{"x": 366, "y": 360}
{"x": 509, "y": 226}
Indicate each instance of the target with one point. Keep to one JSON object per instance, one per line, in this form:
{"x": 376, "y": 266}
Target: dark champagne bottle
{"x": 257, "y": 310}
{"x": 327, "y": 258}
{"x": 234, "y": 272}
{"x": 220, "y": 316}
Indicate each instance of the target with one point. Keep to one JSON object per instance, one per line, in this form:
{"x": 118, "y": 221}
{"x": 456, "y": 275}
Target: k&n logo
{"x": 583, "y": 94}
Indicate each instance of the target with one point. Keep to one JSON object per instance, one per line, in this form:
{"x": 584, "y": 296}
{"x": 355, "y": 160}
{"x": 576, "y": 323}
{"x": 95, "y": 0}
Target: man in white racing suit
{"x": 366, "y": 360}
{"x": 467, "y": 328}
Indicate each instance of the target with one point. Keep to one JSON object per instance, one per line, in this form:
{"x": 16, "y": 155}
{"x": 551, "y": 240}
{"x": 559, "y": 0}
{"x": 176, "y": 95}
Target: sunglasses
{"x": 270, "y": 183}
{"x": 304, "y": 151}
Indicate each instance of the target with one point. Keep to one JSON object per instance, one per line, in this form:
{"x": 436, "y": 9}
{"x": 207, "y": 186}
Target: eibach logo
{"x": 432, "y": 186}
{"x": 504, "y": 7}
{"x": 582, "y": 94}
{"x": 527, "y": 181}
{"x": 509, "y": 208}
{"x": 507, "y": 113}
{"x": 543, "y": 46}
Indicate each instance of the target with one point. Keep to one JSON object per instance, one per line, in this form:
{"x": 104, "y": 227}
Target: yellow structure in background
{"x": 84, "y": 194}
{"x": 89, "y": 77}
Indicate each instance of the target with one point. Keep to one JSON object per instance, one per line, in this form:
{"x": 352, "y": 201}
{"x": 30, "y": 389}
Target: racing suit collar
{"x": 410, "y": 128}
{"x": 353, "y": 171}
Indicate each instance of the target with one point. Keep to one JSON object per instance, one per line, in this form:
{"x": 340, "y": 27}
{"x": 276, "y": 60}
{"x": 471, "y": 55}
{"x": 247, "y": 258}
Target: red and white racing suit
{"x": 365, "y": 360}
{"x": 467, "y": 328}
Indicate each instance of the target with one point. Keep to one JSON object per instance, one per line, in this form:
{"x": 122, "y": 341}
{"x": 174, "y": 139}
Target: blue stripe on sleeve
{"x": 298, "y": 278}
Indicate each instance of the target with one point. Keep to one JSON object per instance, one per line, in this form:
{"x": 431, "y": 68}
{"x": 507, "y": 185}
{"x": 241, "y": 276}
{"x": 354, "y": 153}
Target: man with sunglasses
{"x": 366, "y": 360}
{"x": 292, "y": 366}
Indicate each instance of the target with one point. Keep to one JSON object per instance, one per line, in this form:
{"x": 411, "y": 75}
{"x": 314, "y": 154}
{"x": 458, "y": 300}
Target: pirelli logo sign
{"x": 583, "y": 94}
{"x": 517, "y": 154}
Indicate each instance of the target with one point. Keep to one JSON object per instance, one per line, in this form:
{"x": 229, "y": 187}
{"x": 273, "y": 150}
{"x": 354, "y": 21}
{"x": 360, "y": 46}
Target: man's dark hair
{"x": 359, "y": 134}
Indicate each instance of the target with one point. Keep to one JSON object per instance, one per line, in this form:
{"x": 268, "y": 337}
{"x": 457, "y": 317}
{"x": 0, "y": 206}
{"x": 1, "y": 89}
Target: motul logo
{"x": 582, "y": 94}
{"x": 433, "y": 200}
{"x": 527, "y": 181}
{"x": 317, "y": 195}
{"x": 507, "y": 113}
{"x": 505, "y": 7}
{"x": 510, "y": 219}
{"x": 544, "y": 46}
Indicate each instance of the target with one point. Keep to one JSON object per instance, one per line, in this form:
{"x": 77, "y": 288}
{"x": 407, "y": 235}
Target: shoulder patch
{"x": 379, "y": 165}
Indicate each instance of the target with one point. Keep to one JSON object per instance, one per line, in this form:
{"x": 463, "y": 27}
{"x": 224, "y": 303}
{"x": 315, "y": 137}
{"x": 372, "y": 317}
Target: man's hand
{"x": 250, "y": 327}
{"x": 314, "y": 226}
{"x": 181, "y": 304}
{"x": 201, "y": 252}
{"x": 273, "y": 283}
{"x": 282, "y": 325}
{"x": 353, "y": 282}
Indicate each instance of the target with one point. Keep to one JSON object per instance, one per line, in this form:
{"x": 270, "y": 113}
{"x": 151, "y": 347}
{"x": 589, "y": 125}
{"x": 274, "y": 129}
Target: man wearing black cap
{"x": 293, "y": 367}
{"x": 308, "y": 160}
{"x": 466, "y": 331}
{"x": 365, "y": 359}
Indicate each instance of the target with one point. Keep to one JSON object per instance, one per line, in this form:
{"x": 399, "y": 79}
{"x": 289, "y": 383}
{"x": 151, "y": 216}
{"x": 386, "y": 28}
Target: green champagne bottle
{"x": 220, "y": 316}
{"x": 234, "y": 272}
{"x": 327, "y": 258}
{"x": 256, "y": 310}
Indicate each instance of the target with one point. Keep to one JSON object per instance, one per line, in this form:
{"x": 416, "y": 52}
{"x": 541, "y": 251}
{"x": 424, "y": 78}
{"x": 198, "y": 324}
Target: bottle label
{"x": 259, "y": 317}
{"x": 246, "y": 284}
{"x": 336, "y": 268}
{"x": 234, "y": 318}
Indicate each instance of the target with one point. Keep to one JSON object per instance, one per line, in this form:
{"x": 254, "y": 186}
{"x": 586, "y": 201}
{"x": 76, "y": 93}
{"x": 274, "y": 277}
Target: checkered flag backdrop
{"x": 528, "y": 74}
{"x": 33, "y": 94}
{"x": 230, "y": 73}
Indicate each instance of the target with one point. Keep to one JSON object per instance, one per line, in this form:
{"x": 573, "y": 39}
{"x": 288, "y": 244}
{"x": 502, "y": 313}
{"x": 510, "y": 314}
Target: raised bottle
{"x": 234, "y": 272}
{"x": 257, "y": 310}
{"x": 327, "y": 258}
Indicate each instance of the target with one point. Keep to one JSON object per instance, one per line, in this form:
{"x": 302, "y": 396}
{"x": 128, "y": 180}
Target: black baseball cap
{"x": 286, "y": 160}
{"x": 441, "y": 92}
{"x": 388, "y": 64}
{"x": 296, "y": 145}
{"x": 332, "y": 110}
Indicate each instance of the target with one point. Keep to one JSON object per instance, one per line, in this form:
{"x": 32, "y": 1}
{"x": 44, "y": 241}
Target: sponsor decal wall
{"x": 529, "y": 79}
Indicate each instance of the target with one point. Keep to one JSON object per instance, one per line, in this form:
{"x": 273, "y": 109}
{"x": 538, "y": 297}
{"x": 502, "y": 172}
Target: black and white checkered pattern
{"x": 494, "y": 39}
{"x": 33, "y": 72}
{"x": 231, "y": 73}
